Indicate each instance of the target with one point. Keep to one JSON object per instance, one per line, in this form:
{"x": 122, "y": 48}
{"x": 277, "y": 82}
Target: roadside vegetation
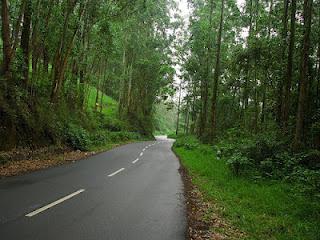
{"x": 279, "y": 206}
{"x": 250, "y": 110}
{"x": 82, "y": 75}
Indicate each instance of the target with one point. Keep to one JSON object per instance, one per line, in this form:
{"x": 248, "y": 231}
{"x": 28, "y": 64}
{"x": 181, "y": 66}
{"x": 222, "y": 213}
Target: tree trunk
{"x": 283, "y": 47}
{"x": 318, "y": 69}
{"x": 288, "y": 75}
{"x": 97, "y": 95}
{"x": 178, "y": 114}
{"x": 216, "y": 76}
{"x": 6, "y": 37}
{"x": 206, "y": 77}
{"x": 63, "y": 53}
{"x": 265, "y": 84}
{"x": 187, "y": 119}
{"x": 25, "y": 39}
{"x": 304, "y": 76}
{"x": 122, "y": 80}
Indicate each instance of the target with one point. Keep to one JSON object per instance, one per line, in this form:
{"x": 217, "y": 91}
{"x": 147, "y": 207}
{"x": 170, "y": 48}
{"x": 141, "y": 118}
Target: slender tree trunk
{"x": 6, "y": 37}
{"x": 216, "y": 75}
{"x": 97, "y": 95}
{"x": 64, "y": 52}
{"x": 304, "y": 76}
{"x": 283, "y": 47}
{"x": 187, "y": 119}
{"x": 178, "y": 114}
{"x": 204, "y": 107}
{"x": 122, "y": 80}
{"x": 129, "y": 94}
{"x": 265, "y": 85}
{"x": 25, "y": 39}
{"x": 318, "y": 69}
{"x": 193, "y": 110}
{"x": 288, "y": 75}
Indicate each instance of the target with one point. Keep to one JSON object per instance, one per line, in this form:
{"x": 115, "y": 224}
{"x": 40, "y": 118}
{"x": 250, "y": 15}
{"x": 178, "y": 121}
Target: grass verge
{"x": 263, "y": 209}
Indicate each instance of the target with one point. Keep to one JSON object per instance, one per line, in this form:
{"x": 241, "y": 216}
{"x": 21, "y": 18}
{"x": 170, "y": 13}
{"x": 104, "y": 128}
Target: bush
{"x": 100, "y": 138}
{"x": 77, "y": 137}
{"x": 238, "y": 163}
{"x": 114, "y": 125}
{"x": 124, "y": 136}
{"x": 4, "y": 158}
{"x": 187, "y": 142}
{"x": 309, "y": 181}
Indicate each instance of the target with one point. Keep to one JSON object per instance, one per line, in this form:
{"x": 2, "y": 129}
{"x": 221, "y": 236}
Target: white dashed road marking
{"x": 54, "y": 203}
{"x": 116, "y": 172}
{"x": 135, "y": 161}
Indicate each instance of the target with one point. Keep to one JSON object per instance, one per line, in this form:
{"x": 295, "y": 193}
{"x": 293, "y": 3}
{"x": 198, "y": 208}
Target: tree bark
{"x": 288, "y": 75}
{"x": 6, "y": 37}
{"x": 64, "y": 51}
{"x": 25, "y": 39}
{"x": 178, "y": 114}
{"x": 216, "y": 76}
{"x": 283, "y": 47}
{"x": 304, "y": 76}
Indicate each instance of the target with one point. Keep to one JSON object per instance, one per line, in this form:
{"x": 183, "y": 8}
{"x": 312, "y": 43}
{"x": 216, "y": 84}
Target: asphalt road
{"x": 131, "y": 192}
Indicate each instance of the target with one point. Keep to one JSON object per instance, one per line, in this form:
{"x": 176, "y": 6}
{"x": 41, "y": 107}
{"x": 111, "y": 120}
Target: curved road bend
{"x": 131, "y": 192}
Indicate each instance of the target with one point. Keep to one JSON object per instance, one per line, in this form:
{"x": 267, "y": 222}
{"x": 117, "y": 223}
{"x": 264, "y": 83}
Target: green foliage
{"x": 77, "y": 137}
{"x": 164, "y": 119}
{"x": 266, "y": 155}
{"x": 187, "y": 142}
{"x": 238, "y": 163}
{"x": 82, "y": 55}
{"x": 4, "y": 158}
{"x": 261, "y": 207}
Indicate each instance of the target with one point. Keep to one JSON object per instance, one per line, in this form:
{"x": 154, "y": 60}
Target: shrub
{"x": 100, "y": 138}
{"x": 77, "y": 137}
{"x": 309, "y": 181}
{"x": 187, "y": 142}
{"x": 238, "y": 163}
{"x": 124, "y": 136}
{"x": 4, "y": 158}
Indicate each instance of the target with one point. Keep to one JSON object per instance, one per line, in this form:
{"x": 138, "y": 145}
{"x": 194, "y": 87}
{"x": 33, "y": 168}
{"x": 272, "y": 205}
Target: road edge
{"x": 203, "y": 222}
{"x": 22, "y": 167}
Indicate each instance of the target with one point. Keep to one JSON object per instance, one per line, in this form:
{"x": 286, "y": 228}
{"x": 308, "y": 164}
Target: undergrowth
{"x": 263, "y": 206}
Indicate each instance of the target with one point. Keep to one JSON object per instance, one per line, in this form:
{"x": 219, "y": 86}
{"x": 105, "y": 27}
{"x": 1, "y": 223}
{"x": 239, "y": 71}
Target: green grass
{"x": 264, "y": 209}
{"x": 110, "y": 105}
{"x": 101, "y": 131}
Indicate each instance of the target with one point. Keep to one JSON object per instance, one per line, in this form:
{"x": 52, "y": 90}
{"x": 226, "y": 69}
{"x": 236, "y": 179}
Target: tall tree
{"x": 6, "y": 38}
{"x": 25, "y": 40}
{"x": 216, "y": 74}
{"x": 304, "y": 76}
{"x": 288, "y": 75}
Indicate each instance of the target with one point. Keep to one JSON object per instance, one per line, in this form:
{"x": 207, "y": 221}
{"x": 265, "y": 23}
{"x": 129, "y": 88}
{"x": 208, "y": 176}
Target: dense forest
{"x": 253, "y": 69}
{"x": 62, "y": 60}
{"x": 250, "y": 84}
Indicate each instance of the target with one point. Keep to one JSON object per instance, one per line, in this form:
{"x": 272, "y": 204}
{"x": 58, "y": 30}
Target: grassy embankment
{"x": 109, "y": 130}
{"x": 262, "y": 208}
{"x": 88, "y": 130}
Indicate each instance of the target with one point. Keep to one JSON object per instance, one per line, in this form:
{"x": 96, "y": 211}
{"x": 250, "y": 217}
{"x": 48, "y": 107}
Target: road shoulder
{"x": 23, "y": 161}
{"x": 204, "y": 220}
